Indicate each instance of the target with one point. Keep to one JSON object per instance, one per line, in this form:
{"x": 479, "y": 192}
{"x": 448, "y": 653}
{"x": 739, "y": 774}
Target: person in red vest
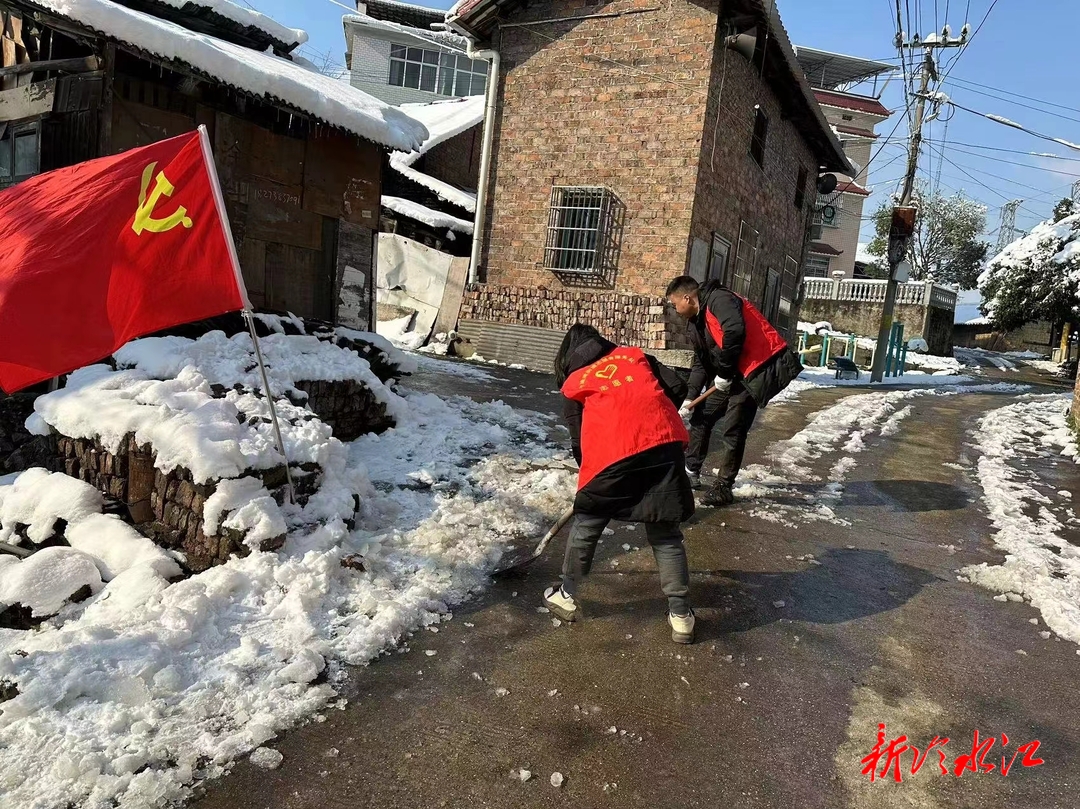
{"x": 620, "y": 407}
{"x": 737, "y": 350}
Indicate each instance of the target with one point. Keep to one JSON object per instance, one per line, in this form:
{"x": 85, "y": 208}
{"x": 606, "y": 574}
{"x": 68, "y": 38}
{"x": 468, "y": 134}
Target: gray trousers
{"x": 667, "y": 543}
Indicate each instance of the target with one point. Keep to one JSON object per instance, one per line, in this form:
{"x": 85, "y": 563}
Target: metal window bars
{"x": 581, "y": 240}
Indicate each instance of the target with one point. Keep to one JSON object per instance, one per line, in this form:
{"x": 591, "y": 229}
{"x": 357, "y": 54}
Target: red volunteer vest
{"x": 625, "y": 411}
{"x": 761, "y": 343}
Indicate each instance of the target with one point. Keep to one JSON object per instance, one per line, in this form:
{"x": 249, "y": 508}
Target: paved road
{"x": 879, "y": 631}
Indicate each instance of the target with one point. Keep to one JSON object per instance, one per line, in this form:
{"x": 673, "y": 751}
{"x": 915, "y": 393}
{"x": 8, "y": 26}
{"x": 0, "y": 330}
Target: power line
{"x": 1011, "y": 93}
{"x": 1016, "y": 151}
{"x": 1011, "y": 162}
{"x": 1016, "y": 103}
{"x": 1013, "y": 124}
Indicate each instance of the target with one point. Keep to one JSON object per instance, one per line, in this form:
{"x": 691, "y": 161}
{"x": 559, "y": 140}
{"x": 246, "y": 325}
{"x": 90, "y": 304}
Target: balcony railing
{"x": 923, "y": 293}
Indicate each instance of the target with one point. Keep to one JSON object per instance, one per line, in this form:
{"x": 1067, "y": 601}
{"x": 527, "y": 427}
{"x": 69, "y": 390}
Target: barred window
{"x": 745, "y": 260}
{"x": 816, "y": 267}
{"x": 577, "y": 229}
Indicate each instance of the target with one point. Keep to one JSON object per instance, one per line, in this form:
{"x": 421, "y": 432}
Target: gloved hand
{"x": 722, "y": 385}
{"x": 685, "y": 412}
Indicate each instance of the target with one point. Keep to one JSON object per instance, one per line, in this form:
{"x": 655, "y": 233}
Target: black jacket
{"x": 650, "y": 486}
{"x": 711, "y": 360}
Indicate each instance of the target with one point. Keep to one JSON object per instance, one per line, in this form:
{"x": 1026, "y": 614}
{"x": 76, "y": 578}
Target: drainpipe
{"x": 492, "y": 96}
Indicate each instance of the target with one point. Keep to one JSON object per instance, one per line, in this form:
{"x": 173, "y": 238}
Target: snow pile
{"x": 44, "y": 582}
{"x": 199, "y": 403}
{"x": 148, "y": 688}
{"x": 399, "y": 332}
{"x": 40, "y": 500}
{"x": 251, "y": 510}
{"x": 447, "y": 39}
{"x": 1041, "y": 565}
{"x": 246, "y": 17}
{"x": 429, "y": 216}
{"x": 933, "y": 364}
{"x": 261, "y": 74}
{"x": 229, "y": 361}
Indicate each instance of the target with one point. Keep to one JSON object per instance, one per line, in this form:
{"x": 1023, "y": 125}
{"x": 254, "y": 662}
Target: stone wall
{"x": 638, "y": 320}
{"x": 864, "y": 319}
{"x": 1031, "y": 337}
{"x": 18, "y": 449}
{"x": 349, "y": 407}
{"x": 168, "y": 508}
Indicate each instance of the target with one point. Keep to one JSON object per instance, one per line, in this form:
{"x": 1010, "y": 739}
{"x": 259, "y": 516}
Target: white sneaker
{"x": 561, "y": 604}
{"x": 682, "y": 627}
{"x": 695, "y": 478}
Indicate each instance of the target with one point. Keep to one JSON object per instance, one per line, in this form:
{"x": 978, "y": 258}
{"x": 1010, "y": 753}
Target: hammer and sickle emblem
{"x": 144, "y": 216}
{"x": 607, "y": 372}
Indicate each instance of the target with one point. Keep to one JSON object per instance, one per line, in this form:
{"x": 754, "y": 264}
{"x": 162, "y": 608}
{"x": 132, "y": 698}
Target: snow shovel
{"x": 519, "y": 558}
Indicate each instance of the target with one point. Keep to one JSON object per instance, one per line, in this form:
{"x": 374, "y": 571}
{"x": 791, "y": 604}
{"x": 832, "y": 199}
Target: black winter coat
{"x": 711, "y": 360}
{"x": 648, "y": 487}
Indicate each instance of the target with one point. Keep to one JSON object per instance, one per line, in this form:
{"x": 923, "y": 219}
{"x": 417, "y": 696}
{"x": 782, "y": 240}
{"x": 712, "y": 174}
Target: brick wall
{"x": 638, "y": 320}
{"x": 733, "y": 188}
{"x": 457, "y": 160}
{"x": 568, "y": 116}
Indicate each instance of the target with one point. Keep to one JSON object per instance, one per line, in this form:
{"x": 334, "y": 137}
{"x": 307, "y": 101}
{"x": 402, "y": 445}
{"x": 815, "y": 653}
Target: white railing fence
{"x": 920, "y": 293}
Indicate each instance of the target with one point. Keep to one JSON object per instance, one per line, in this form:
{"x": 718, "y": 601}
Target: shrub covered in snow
{"x": 1037, "y": 277}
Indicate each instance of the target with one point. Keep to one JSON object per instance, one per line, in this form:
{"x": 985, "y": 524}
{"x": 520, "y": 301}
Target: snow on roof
{"x": 261, "y": 74}
{"x": 247, "y": 17}
{"x": 444, "y": 191}
{"x": 444, "y": 39}
{"x": 421, "y": 213}
{"x": 444, "y": 120}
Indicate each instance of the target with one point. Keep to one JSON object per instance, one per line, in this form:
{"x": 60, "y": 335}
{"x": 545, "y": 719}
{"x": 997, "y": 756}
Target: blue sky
{"x": 1016, "y": 51}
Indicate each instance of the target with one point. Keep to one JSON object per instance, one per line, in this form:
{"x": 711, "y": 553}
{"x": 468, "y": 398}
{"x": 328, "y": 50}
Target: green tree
{"x": 1064, "y": 208}
{"x": 946, "y": 247}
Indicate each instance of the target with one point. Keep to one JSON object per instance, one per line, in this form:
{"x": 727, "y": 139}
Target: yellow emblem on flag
{"x": 144, "y": 216}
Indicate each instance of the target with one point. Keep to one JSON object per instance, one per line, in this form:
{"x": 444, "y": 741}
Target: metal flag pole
{"x": 219, "y": 199}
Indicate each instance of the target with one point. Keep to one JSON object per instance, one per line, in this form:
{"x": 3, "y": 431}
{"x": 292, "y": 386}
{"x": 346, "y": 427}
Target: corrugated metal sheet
{"x": 530, "y": 346}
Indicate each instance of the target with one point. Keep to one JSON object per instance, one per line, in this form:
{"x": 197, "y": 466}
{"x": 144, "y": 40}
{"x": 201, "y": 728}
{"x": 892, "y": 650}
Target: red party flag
{"x": 94, "y": 255}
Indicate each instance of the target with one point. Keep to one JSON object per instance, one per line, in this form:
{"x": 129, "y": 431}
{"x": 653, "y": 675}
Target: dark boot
{"x": 719, "y": 495}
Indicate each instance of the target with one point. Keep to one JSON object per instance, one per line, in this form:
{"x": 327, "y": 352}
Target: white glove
{"x": 685, "y": 412}
{"x": 722, "y": 385}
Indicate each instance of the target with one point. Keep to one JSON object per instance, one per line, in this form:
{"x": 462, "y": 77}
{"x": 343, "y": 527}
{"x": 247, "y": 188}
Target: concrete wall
{"x": 864, "y": 319}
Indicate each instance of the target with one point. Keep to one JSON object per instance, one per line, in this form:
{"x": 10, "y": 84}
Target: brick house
{"x": 635, "y": 142}
{"x": 299, "y": 154}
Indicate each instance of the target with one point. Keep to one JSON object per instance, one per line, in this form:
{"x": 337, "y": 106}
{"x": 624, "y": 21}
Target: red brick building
{"x": 636, "y": 141}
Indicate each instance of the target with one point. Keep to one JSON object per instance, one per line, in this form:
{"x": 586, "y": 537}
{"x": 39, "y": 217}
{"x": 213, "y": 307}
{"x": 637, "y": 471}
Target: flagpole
{"x": 219, "y": 199}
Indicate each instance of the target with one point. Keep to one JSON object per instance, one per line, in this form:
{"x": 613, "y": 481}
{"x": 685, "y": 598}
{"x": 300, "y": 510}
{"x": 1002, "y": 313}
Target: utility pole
{"x": 904, "y": 214}
{"x": 1007, "y": 230}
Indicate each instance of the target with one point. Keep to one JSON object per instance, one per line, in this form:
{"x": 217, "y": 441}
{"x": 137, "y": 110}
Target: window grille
{"x": 20, "y": 152}
{"x": 816, "y": 267}
{"x": 579, "y": 224}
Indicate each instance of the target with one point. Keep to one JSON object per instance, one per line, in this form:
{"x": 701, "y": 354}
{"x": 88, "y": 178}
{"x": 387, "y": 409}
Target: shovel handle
{"x": 564, "y": 518}
{"x": 703, "y": 397}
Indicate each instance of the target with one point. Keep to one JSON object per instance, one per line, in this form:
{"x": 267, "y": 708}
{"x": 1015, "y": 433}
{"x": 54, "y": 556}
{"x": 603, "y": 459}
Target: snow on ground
{"x": 1030, "y": 519}
{"x": 133, "y": 696}
{"x": 816, "y": 377}
{"x": 262, "y": 74}
{"x": 788, "y": 490}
